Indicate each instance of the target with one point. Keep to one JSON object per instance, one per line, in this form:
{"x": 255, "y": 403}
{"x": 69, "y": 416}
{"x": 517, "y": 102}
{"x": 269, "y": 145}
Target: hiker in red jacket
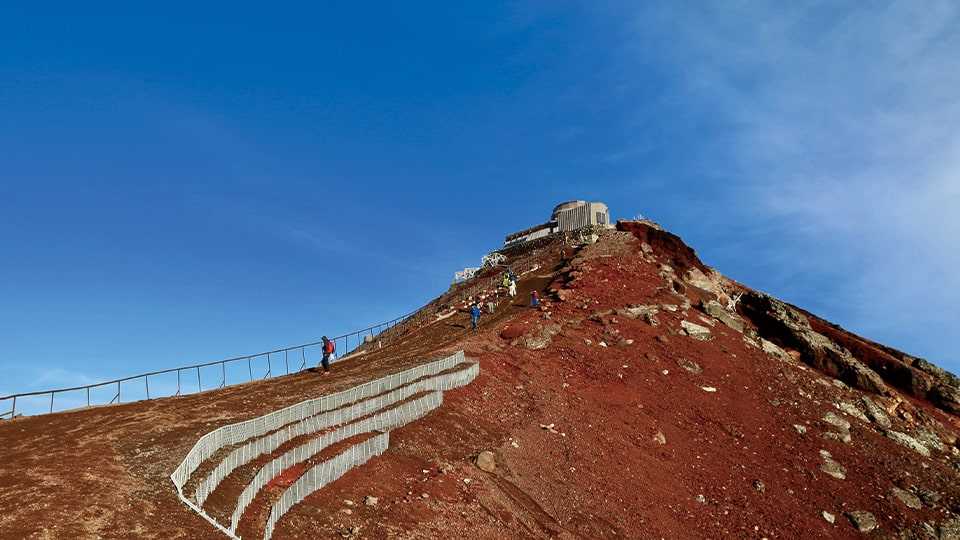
{"x": 534, "y": 299}
{"x": 329, "y": 354}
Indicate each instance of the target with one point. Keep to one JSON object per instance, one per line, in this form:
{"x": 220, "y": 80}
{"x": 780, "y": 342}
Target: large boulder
{"x": 715, "y": 310}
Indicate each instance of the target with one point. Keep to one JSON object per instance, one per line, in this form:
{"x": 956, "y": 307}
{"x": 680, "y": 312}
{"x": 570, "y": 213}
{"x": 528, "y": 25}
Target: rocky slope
{"x": 648, "y": 397}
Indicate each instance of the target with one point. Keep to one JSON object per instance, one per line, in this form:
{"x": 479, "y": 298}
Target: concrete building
{"x": 566, "y": 216}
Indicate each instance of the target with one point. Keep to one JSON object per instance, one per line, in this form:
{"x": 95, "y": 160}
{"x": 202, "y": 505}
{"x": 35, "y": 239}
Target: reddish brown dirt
{"x": 601, "y": 471}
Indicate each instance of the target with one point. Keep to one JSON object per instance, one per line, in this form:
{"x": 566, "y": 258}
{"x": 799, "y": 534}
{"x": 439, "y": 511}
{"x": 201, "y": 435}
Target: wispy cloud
{"x": 838, "y": 138}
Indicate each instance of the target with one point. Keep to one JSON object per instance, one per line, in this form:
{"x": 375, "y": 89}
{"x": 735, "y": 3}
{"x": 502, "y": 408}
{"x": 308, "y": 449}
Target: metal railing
{"x": 183, "y": 387}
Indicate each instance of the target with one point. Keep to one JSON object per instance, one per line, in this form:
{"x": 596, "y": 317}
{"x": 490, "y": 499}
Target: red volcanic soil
{"x": 602, "y": 426}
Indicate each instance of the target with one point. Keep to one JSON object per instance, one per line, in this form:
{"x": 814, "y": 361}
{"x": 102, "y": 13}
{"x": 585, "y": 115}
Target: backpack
{"x": 329, "y": 347}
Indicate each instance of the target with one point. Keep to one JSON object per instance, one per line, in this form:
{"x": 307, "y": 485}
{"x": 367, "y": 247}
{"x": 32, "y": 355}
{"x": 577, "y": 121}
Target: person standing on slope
{"x": 329, "y": 354}
{"x": 475, "y": 315}
{"x": 534, "y": 299}
{"x": 512, "y": 288}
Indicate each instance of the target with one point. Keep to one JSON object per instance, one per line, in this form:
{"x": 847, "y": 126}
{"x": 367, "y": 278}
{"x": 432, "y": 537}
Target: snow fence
{"x": 310, "y": 417}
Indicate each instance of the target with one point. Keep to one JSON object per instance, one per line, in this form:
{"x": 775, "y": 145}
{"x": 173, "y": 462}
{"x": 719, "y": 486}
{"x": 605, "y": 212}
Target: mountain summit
{"x": 646, "y": 396}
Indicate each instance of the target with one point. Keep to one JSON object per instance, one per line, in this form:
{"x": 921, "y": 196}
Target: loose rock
{"x": 875, "y": 413}
{"x": 696, "y": 331}
{"x": 832, "y": 468}
{"x": 486, "y": 461}
{"x": 863, "y": 521}
{"x": 908, "y": 441}
{"x": 907, "y": 498}
{"x": 690, "y": 366}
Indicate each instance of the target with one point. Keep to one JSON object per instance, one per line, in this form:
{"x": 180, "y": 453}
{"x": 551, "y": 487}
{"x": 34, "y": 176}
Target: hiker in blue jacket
{"x": 475, "y": 315}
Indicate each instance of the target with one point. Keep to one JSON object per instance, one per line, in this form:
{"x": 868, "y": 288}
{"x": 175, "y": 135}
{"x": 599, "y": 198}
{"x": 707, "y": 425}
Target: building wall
{"x": 572, "y": 216}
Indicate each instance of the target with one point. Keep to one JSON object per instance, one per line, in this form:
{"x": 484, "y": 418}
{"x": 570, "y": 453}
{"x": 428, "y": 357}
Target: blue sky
{"x": 189, "y": 182}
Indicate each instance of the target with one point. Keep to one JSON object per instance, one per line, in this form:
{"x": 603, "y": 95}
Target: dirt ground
{"x": 610, "y": 427}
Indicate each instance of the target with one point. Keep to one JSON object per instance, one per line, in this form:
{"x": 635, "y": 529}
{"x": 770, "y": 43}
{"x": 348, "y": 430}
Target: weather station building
{"x": 566, "y": 216}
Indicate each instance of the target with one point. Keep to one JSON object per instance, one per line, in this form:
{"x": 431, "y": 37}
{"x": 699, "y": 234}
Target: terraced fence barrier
{"x": 371, "y": 410}
{"x": 186, "y": 379}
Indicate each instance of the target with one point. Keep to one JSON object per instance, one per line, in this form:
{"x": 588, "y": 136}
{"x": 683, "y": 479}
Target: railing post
{"x": 303, "y": 358}
{"x": 88, "y": 396}
{"x": 249, "y": 368}
{"x": 118, "y": 392}
{"x": 199, "y": 384}
{"x": 178, "y": 382}
{"x": 286, "y": 361}
{"x": 146, "y": 381}
{"x": 269, "y": 367}
{"x": 13, "y": 413}
{"x": 223, "y": 371}
{"x": 51, "y": 401}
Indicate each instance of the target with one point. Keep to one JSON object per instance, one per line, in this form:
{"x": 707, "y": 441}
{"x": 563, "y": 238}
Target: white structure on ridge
{"x": 566, "y": 216}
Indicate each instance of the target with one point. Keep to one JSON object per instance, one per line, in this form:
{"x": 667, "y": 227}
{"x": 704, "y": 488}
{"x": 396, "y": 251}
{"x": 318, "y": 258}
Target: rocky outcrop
{"x": 786, "y": 326}
{"x": 915, "y": 376}
{"x": 669, "y": 247}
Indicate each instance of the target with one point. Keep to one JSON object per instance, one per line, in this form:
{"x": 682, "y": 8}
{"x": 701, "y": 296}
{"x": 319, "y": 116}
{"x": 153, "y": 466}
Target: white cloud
{"x": 841, "y": 130}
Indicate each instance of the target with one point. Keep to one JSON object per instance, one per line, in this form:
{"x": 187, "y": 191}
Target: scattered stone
{"x": 708, "y": 389}
{"x": 852, "y": 410}
{"x": 843, "y": 436}
{"x": 905, "y": 440}
{"x": 348, "y": 502}
{"x": 836, "y": 421}
{"x": 875, "y": 413}
{"x": 350, "y": 532}
{"x": 950, "y": 530}
{"x": 424, "y": 495}
{"x": 696, "y": 331}
{"x": 370, "y": 500}
{"x": 929, "y": 439}
{"x": 486, "y": 461}
{"x": 660, "y": 438}
{"x": 700, "y": 499}
{"x": 832, "y": 468}
{"x": 907, "y": 498}
{"x": 690, "y": 366}
{"x": 346, "y": 511}
{"x": 663, "y": 339}
{"x": 828, "y": 517}
{"x": 929, "y": 497}
{"x": 549, "y": 427}
{"x": 774, "y": 350}
{"x": 647, "y": 313}
{"x": 467, "y": 480}
{"x": 800, "y": 429}
{"x": 759, "y": 486}
{"x": 863, "y": 521}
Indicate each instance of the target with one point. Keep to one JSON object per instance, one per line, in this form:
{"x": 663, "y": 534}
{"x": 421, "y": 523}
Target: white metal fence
{"x": 323, "y": 474}
{"x": 312, "y": 416}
